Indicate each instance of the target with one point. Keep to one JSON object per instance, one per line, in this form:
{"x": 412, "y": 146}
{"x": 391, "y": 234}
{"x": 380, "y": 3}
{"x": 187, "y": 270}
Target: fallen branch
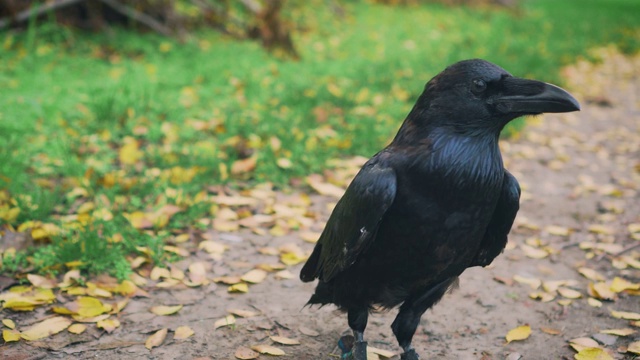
{"x": 139, "y": 17}
{"x": 37, "y": 11}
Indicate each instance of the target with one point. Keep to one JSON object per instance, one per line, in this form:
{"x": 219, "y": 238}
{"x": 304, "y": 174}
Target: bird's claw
{"x": 351, "y": 349}
{"x": 409, "y": 355}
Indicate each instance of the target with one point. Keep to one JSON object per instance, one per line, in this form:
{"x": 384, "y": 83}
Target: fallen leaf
{"x": 225, "y": 321}
{"x": 244, "y": 165}
{"x": 601, "y": 229}
{"x": 309, "y": 236}
{"x": 532, "y": 282}
{"x": 77, "y": 328}
{"x": 11, "y": 335}
{"x": 619, "y": 332}
{"x": 381, "y": 352}
{"x": 228, "y": 280}
{"x": 593, "y": 354}
{"x": 309, "y": 332}
{"x": 601, "y": 291}
{"x": 166, "y": 310}
{"x": 244, "y": 353}
{"x": 243, "y": 313}
{"x": 582, "y": 343}
{"x": 284, "y": 340}
{"x": 46, "y": 328}
{"x": 324, "y": 188}
{"x": 41, "y": 281}
{"x": 268, "y": 350}
{"x": 594, "y": 302}
{"x": 634, "y": 347}
{"x": 9, "y": 323}
{"x": 619, "y": 284}
{"x": 558, "y": 230}
{"x": 254, "y": 276}
{"x": 108, "y": 325}
{"x": 550, "y": 331}
{"x": 625, "y": 315}
{"x": 156, "y": 339}
{"x": 518, "y": 333}
{"x": 284, "y": 275}
{"x": 238, "y": 288}
{"x": 569, "y": 293}
{"x": 182, "y": 332}
{"x": 591, "y": 274}
{"x": 532, "y": 252}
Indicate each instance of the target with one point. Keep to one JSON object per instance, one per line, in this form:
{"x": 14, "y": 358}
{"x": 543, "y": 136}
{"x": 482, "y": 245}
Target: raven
{"x": 436, "y": 201}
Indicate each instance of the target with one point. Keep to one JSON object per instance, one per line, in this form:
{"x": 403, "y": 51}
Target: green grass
{"x": 70, "y": 101}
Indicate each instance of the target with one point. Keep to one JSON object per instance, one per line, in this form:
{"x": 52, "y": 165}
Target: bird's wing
{"x": 353, "y": 223}
{"x": 495, "y": 237}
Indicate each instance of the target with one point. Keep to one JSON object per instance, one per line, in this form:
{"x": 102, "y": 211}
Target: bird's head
{"x": 476, "y": 94}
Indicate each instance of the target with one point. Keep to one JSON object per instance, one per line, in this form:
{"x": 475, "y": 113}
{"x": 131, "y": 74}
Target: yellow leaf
{"x": 532, "y": 282}
{"x": 212, "y": 247}
{"x": 309, "y": 236}
{"x": 634, "y": 228}
{"x": 9, "y": 323}
{"x": 77, "y": 328}
{"x": 108, "y": 324}
{"x": 292, "y": 258}
{"x": 533, "y": 252}
{"x": 619, "y": 332}
{"x": 46, "y": 328}
{"x": 558, "y": 230}
{"x": 254, "y": 276}
{"x": 579, "y": 344}
{"x": 238, "y": 288}
{"x": 519, "y": 333}
{"x": 284, "y": 340}
{"x": 619, "y": 284}
{"x": 94, "y": 319}
{"x": 625, "y": 315}
{"x": 244, "y": 353}
{"x": 268, "y": 349}
{"x": 11, "y": 335}
{"x": 156, "y": 339}
{"x": 158, "y": 272}
{"x": 601, "y": 290}
{"x": 569, "y": 293}
{"x": 634, "y": 347}
{"x": 183, "y": 332}
{"x": 591, "y": 274}
{"x": 129, "y": 153}
{"x": 88, "y": 306}
{"x": 284, "y": 275}
{"x": 381, "y": 352}
{"x": 593, "y": 354}
{"x": 176, "y": 250}
{"x": 166, "y": 310}
{"x": 594, "y": 302}
{"x": 225, "y": 321}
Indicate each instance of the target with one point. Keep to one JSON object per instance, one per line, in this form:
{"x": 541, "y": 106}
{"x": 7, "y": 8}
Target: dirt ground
{"x": 576, "y": 170}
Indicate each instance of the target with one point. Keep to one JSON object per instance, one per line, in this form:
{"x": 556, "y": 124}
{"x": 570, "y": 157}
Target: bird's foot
{"x": 352, "y": 349}
{"x": 409, "y": 354}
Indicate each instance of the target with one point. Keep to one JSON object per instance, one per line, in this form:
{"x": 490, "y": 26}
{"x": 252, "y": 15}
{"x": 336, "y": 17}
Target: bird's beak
{"x": 523, "y": 96}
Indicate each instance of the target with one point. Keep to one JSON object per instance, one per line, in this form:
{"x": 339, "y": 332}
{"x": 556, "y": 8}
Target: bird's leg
{"x": 406, "y": 323}
{"x": 357, "y": 323}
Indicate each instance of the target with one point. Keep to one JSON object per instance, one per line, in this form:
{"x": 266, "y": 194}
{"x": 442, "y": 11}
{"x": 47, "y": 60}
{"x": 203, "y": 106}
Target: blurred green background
{"x": 97, "y": 124}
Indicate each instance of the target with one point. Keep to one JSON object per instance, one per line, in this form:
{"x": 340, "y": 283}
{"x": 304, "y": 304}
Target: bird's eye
{"x": 478, "y": 86}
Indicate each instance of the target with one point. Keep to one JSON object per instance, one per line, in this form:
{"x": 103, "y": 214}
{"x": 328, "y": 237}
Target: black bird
{"x": 436, "y": 201}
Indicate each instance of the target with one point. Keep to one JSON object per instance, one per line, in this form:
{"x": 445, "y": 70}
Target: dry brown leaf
{"x": 268, "y": 350}
{"x": 212, "y": 247}
{"x": 619, "y": 332}
{"x": 244, "y": 166}
{"x": 156, "y": 339}
{"x": 324, "y": 188}
{"x": 158, "y": 272}
{"x": 77, "y": 328}
{"x": 254, "y": 276}
{"x": 309, "y": 236}
{"x": 582, "y": 343}
{"x": 166, "y": 310}
{"x": 234, "y": 200}
{"x": 228, "y": 280}
{"x": 243, "y": 313}
{"x": 503, "y": 280}
{"x": 532, "y": 282}
{"x": 244, "y": 353}
{"x": 228, "y": 320}
{"x": 284, "y": 340}
{"x": 518, "y": 333}
{"x": 380, "y": 352}
{"x": 625, "y": 315}
{"x": 182, "y": 332}
{"x": 542, "y": 296}
{"x": 41, "y": 281}
{"x": 46, "y": 328}
{"x": 309, "y": 332}
{"x": 284, "y": 275}
{"x": 550, "y": 331}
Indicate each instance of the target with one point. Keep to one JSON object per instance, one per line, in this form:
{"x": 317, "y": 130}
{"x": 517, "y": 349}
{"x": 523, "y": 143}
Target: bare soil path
{"x": 580, "y": 173}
